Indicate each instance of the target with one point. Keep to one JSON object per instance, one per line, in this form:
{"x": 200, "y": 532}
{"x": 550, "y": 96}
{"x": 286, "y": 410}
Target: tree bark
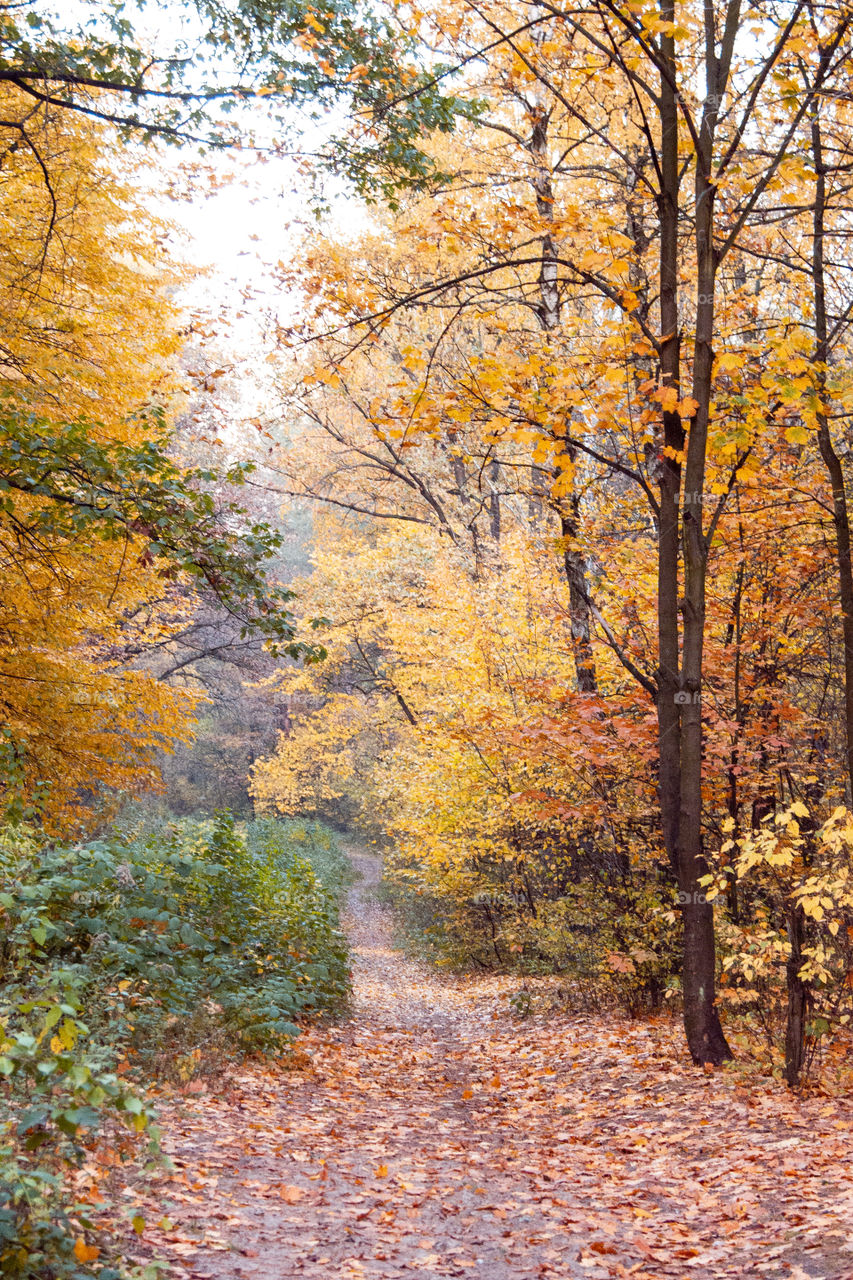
{"x": 568, "y": 507}
{"x": 681, "y": 764}
{"x": 841, "y": 518}
{"x": 798, "y": 998}
{"x": 669, "y": 712}
{"x": 495, "y": 504}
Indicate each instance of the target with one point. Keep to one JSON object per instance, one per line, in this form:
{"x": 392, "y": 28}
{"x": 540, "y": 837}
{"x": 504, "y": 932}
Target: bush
{"x": 59, "y": 1103}
{"x": 608, "y": 926}
{"x": 155, "y": 946}
{"x": 790, "y": 933}
{"x": 147, "y": 932}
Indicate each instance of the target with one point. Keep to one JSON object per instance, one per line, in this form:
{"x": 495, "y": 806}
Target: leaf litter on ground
{"x": 433, "y": 1134}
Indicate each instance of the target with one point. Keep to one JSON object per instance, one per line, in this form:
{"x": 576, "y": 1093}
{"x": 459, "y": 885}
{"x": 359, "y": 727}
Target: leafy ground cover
{"x": 156, "y": 953}
{"x": 436, "y": 1133}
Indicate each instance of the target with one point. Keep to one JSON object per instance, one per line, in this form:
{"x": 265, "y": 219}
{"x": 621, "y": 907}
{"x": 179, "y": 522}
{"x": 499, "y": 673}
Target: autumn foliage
{"x": 566, "y": 421}
{"x": 575, "y": 420}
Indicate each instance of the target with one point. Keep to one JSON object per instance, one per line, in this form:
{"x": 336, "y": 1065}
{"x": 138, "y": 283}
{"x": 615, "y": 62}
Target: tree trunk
{"x": 579, "y": 606}
{"x": 568, "y": 507}
{"x": 798, "y": 999}
{"x": 831, "y": 459}
{"x": 681, "y": 737}
{"x": 705, "y": 1038}
{"x": 669, "y": 707}
{"x": 495, "y": 504}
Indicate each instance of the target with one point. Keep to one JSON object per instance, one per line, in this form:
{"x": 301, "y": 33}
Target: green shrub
{"x": 311, "y": 840}
{"x": 168, "y": 944}
{"x": 39, "y": 1230}
{"x": 58, "y": 1101}
{"x": 148, "y": 932}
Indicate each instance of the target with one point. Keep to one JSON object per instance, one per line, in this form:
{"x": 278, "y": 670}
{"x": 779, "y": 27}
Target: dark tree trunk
{"x": 705, "y": 1038}
{"x": 798, "y": 999}
{"x": 495, "y": 504}
{"x": 567, "y": 508}
{"x": 680, "y": 735}
{"x": 669, "y": 708}
{"x": 831, "y": 459}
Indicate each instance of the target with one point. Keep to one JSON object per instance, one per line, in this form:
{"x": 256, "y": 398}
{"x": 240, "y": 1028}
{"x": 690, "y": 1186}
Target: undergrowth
{"x": 163, "y": 949}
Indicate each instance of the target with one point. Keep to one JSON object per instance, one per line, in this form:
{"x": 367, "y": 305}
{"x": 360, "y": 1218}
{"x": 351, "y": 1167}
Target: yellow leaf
{"x": 592, "y": 261}
{"x": 67, "y": 1034}
{"x": 729, "y": 361}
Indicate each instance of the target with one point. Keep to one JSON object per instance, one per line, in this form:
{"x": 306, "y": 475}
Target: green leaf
{"x": 53, "y": 1017}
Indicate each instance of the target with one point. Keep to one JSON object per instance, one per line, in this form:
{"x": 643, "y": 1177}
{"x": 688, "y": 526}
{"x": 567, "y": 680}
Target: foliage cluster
{"x": 786, "y": 892}
{"x": 176, "y": 86}
{"x": 486, "y": 808}
{"x": 583, "y": 456}
{"x": 164, "y": 949}
{"x": 114, "y": 535}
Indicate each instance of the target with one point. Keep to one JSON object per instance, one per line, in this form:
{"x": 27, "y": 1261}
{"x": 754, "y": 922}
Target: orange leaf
{"x": 85, "y": 1252}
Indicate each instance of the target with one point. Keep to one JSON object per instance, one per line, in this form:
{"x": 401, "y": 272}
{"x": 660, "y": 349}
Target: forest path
{"x": 435, "y": 1134}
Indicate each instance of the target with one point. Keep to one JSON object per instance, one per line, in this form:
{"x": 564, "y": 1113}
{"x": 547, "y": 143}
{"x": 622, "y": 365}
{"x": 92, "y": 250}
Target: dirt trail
{"x": 435, "y": 1134}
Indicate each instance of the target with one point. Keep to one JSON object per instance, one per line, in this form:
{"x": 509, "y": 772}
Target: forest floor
{"x": 435, "y": 1133}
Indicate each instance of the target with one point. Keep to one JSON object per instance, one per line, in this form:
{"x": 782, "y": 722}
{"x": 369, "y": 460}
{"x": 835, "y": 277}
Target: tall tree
{"x": 95, "y": 516}
{"x": 665, "y": 105}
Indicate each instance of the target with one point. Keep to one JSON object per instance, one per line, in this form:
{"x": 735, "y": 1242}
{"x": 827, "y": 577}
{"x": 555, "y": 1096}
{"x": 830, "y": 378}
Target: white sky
{"x": 235, "y": 228}
{"x": 234, "y": 236}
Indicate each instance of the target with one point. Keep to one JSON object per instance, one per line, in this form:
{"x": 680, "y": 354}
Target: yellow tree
{"x": 689, "y": 91}
{"x": 97, "y": 523}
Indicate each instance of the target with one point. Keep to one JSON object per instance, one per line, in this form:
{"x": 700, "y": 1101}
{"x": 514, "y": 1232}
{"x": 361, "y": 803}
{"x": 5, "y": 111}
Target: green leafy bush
{"x": 58, "y": 1103}
{"x": 149, "y": 931}
{"x": 173, "y": 944}
{"x": 39, "y": 1230}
